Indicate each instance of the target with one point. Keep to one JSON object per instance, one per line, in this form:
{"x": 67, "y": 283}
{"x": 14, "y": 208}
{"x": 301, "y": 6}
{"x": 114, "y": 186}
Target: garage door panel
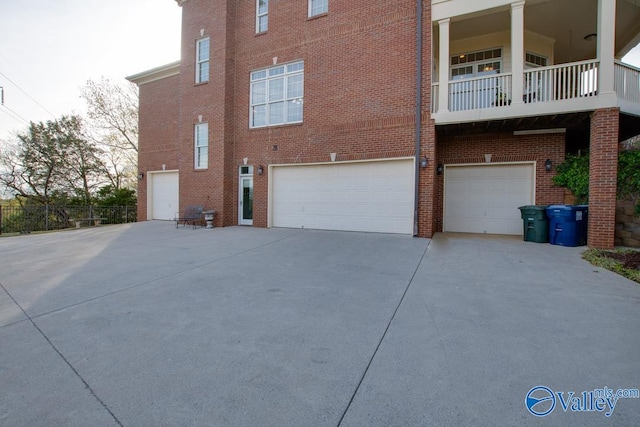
{"x": 367, "y": 196}
{"x": 164, "y": 195}
{"x": 485, "y": 198}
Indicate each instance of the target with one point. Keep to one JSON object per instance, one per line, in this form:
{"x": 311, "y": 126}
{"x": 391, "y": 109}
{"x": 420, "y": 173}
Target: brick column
{"x": 603, "y": 177}
{"x": 427, "y": 187}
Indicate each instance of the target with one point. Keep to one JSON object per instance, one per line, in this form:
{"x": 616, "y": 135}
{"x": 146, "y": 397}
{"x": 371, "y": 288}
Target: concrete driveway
{"x": 148, "y": 325}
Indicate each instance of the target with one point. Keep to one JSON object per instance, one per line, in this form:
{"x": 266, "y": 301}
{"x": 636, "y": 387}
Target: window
{"x": 202, "y": 60}
{"x": 277, "y": 95}
{"x": 475, "y": 64}
{"x": 465, "y": 93}
{"x": 317, "y": 7}
{"x": 262, "y": 15}
{"x": 533, "y": 61}
{"x": 201, "y": 138}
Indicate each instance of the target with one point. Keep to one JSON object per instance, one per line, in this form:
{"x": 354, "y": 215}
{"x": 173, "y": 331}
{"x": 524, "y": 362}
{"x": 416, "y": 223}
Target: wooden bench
{"x": 79, "y": 221}
{"x": 191, "y": 215}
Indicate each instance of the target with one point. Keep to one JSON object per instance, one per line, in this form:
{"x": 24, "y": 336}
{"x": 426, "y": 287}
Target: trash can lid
{"x": 560, "y": 208}
{"x": 533, "y": 207}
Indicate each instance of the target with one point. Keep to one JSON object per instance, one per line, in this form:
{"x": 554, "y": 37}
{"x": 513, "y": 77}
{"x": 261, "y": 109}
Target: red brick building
{"x": 400, "y": 117}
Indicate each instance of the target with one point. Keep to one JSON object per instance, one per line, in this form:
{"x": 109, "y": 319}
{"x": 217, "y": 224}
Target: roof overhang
{"x": 158, "y": 73}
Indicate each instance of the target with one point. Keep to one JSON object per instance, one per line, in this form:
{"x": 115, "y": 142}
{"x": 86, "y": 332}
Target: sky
{"x": 50, "y": 48}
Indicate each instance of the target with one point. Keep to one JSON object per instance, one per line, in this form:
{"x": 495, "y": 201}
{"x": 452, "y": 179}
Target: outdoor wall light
{"x": 260, "y": 170}
{"x": 424, "y": 162}
{"x": 440, "y": 169}
{"x": 140, "y": 176}
{"x": 548, "y": 165}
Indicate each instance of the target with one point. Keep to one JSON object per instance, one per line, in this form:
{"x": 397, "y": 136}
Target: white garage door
{"x": 485, "y": 198}
{"x": 164, "y": 195}
{"x": 367, "y": 196}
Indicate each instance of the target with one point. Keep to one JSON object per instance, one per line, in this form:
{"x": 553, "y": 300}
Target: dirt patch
{"x": 630, "y": 260}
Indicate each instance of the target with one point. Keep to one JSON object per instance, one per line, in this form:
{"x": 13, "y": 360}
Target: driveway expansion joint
{"x": 64, "y": 359}
{"x": 384, "y": 334}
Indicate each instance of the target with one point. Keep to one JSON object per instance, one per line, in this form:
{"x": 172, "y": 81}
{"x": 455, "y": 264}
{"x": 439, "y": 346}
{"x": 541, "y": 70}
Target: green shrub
{"x": 573, "y": 174}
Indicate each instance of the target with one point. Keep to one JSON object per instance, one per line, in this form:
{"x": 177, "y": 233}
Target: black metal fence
{"x": 25, "y": 219}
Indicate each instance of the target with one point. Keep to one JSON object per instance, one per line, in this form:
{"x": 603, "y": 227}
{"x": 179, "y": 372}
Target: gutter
{"x": 418, "y": 132}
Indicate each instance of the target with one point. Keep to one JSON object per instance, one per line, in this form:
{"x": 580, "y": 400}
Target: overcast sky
{"x": 50, "y": 48}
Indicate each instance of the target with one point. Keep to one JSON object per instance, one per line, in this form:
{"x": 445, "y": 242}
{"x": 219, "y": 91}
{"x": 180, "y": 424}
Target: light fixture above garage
{"x": 424, "y": 162}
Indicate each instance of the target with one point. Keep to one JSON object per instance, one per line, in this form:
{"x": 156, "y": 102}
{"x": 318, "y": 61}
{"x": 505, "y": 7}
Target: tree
{"x": 112, "y": 196}
{"x": 52, "y": 162}
{"x": 113, "y": 124}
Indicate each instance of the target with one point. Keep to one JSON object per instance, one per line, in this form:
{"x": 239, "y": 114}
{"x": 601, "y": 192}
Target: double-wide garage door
{"x": 485, "y": 198}
{"x": 374, "y": 196}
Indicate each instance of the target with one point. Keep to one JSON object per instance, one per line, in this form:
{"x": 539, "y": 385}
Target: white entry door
{"x": 245, "y": 198}
{"x": 485, "y": 198}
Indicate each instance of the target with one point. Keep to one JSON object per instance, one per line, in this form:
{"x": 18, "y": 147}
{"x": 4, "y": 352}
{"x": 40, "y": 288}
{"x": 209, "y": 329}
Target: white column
{"x": 606, "y": 44}
{"x": 517, "y": 51}
{"x": 443, "y": 74}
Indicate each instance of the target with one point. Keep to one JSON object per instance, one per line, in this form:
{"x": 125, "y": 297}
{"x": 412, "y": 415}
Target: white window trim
{"x": 199, "y": 61}
{"x": 318, "y": 13}
{"x": 286, "y": 98}
{"x": 475, "y": 63}
{"x": 197, "y": 146}
{"x": 533, "y": 64}
{"x": 260, "y": 15}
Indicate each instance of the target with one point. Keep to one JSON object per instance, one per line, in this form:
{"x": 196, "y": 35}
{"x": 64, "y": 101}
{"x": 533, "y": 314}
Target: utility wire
{"x": 29, "y": 96}
{"x": 15, "y": 115}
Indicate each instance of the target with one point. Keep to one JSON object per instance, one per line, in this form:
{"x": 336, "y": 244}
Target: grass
{"x": 623, "y": 262}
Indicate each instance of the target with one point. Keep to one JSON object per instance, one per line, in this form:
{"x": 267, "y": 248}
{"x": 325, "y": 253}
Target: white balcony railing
{"x": 561, "y": 82}
{"x": 435, "y": 93}
{"x": 480, "y": 92}
{"x": 627, "y": 82}
{"x": 564, "y": 82}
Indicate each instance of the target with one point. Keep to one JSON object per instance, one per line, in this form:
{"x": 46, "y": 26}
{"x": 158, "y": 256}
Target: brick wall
{"x": 603, "y": 177}
{"x": 158, "y": 139}
{"x": 504, "y": 147}
{"x": 359, "y": 99}
{"x": 211, "y": 101}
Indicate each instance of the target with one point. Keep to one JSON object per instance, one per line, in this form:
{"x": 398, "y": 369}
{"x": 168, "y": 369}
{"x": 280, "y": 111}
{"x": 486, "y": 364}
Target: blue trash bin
{"x": 568, "y": 225}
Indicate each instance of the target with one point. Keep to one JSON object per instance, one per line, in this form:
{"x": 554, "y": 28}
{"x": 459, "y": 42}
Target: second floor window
{"x": 262, "y": 15}
{"x": 318, "y": 7}
{"x": 202, "y": 60}
{"x": 277, "y": 95}
{"x": 201, "y": 151}
{"x": 476, "y": 64}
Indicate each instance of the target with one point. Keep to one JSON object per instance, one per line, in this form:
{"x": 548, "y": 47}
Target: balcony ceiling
{"x": 565, "y": 21}
{"x": 577, "y": 122}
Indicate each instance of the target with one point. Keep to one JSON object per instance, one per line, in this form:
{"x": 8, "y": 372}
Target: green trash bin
{"x": 535, "y": 223}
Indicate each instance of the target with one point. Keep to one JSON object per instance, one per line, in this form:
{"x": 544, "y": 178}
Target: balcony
{"x": 563, "y": 88}
{"x": 504, "y": 59}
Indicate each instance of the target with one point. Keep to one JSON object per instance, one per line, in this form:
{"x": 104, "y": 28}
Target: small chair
{"x": 192, "y": 215}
